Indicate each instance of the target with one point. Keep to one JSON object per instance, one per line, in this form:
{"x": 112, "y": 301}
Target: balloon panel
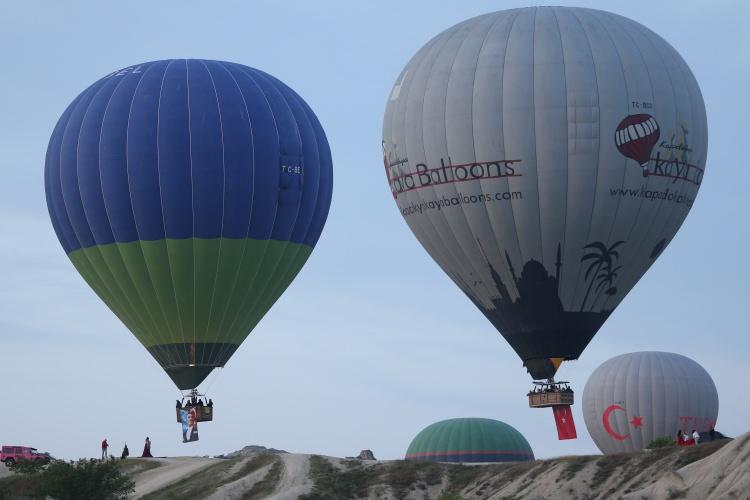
{"x": 188, "y": 194}
{"x": 632, "y": 399}
{"x": 513, "y": 144}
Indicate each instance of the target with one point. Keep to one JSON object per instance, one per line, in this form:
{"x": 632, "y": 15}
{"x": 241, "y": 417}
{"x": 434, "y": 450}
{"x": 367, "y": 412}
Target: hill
{"x": 713, "y": 470}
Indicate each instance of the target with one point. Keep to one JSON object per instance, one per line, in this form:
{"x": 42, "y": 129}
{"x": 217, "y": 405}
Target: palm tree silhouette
{"x": 601, "y": 256}
{"x": 605, "y": 282}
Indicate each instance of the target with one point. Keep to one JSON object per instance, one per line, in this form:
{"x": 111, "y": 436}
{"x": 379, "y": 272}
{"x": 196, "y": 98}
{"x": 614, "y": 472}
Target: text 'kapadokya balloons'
{"x": 545, "y": 157}
{"x": 188, "y": 194}
{"x": 632, "y": 399}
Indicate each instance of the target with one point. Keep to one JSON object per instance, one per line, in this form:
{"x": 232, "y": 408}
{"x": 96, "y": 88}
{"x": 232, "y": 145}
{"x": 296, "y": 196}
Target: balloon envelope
{"x": 632, "y": 399}
{"x": 544, "y": 157}
{"x": 188, "y": 194}
{"x": 469, "y": 440}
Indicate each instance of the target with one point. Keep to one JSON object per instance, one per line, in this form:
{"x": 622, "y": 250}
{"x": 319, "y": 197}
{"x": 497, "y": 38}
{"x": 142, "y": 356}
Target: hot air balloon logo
{"x": 636, "y": 136}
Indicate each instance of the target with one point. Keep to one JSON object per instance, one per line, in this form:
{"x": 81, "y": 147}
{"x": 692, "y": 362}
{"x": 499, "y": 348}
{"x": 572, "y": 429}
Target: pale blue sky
{"x": 372, "y": 342}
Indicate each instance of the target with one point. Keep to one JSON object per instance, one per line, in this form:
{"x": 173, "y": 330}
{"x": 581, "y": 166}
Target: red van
{"x": 12, "y": 454}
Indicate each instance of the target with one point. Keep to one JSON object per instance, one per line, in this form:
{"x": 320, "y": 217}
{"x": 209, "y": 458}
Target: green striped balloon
{"x": 470, "y": 440}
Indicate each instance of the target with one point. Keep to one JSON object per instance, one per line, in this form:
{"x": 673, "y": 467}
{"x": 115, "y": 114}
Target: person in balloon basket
{"x": 105, "y": 445}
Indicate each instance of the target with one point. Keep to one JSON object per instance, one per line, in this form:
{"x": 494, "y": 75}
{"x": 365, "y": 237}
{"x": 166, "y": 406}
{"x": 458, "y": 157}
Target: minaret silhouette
{"x": 512, "y": 271}
{"x": 558, "y": 265}
{"x": 496, "y": 279}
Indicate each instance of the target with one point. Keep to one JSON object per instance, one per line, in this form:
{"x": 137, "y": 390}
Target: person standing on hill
{"x": 696, "y": 436}
{"x": 147, "y": 449}
{"x": 105, "y": 445}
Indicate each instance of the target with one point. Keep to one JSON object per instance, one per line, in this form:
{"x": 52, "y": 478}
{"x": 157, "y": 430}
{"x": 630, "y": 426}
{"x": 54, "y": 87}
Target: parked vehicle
{"x": 12, "y": 454}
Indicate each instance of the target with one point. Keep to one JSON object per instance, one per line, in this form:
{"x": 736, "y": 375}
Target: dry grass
{"x": 331, "y": 482}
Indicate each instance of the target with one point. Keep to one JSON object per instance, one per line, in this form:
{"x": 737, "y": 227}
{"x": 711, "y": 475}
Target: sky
{"x": 372, "y": 342}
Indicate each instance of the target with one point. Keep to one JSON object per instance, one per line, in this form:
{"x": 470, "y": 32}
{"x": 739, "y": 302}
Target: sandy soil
{"x": 721, "y": 475}
{"x": 293, "y": 483}
{"x": 170, "y": 471}
{"x": 236, "y": 489}
{"x": 294, "y": 480}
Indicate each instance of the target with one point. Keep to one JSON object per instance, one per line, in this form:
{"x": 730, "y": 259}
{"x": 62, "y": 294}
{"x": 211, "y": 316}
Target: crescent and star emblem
{"x": 636, "y": 422}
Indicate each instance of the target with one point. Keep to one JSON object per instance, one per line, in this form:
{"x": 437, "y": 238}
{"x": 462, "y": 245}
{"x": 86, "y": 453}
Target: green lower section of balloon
{"x": 191, "y": 291}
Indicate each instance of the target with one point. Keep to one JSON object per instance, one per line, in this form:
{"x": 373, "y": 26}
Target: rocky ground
{"x": 719, "y": 470}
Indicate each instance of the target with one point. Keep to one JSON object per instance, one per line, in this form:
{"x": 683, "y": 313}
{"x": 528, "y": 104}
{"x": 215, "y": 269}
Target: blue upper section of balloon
{"x": 187, "y": 148}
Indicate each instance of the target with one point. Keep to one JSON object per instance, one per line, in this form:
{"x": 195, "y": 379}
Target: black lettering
{"x": 480, "y": 170}
{"x": 424, "y": 178}
{"x": 444, "y": 169}
{"x": 658, "y": 163}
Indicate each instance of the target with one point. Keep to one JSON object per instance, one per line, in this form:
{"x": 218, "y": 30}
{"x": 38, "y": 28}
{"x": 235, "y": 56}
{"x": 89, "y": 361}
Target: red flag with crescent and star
{"x": 566, "y": 428}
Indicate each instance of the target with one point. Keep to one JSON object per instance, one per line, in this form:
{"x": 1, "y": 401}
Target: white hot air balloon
{"x": 632, "y": 399}
{"x": 544, "y": 157}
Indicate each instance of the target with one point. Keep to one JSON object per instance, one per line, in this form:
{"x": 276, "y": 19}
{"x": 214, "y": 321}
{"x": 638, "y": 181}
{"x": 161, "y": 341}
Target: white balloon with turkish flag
{"x": 635, "y": 398}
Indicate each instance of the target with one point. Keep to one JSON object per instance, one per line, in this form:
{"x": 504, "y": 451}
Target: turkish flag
{"x": 566, "y": 428}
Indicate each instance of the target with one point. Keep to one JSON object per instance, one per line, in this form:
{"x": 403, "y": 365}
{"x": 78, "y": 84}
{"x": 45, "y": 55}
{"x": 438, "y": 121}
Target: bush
{"x": 28, "y": 466}
{"x": 330, "y": 482}
{"x": 661, "y": 442}
{"x": 91, "y": 479}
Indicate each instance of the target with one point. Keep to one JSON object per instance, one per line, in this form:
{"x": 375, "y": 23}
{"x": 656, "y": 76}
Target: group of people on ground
{"x": 194, "y": 401}
{"x": 685, "y": 440}
{"x": 125, "y": 451}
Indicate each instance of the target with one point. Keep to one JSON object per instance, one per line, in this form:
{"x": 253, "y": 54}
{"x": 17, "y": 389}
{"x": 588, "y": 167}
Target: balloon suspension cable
{"x": 211, "y": 379}
{"x": 192, "y": 393}
{"x": 550, "y": 382}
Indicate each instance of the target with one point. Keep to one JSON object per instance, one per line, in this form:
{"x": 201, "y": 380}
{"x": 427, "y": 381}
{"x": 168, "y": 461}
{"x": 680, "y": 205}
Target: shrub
{"x": 91, "y": 479}
{"x": 28, "y": 466}
{"x": 330, "y": 482}
{"x": 661, "y": 442}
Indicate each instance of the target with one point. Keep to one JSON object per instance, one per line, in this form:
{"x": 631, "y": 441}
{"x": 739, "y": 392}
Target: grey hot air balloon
{"x": 632, "y": 399}
{"x": 544, "y": 157}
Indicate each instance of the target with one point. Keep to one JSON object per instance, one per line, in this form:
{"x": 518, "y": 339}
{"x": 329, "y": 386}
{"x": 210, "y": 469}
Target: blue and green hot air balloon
{"x": 188, "y": 194}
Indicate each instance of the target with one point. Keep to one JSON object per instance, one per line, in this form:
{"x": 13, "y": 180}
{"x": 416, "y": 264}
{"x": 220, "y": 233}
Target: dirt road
{"x": 170, "y": 471}
{"x": 294, "y": 480}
